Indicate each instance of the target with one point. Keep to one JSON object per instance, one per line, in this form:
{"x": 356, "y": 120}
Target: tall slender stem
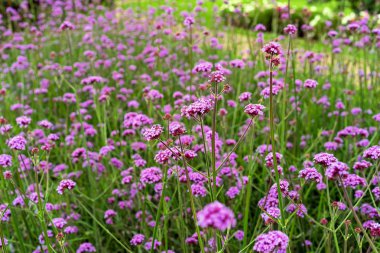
{"x": 191, "y": 198}
{"x": 373, "y": 246}
{"x": 213, "y": 147}
{"x": 271, "y": 109}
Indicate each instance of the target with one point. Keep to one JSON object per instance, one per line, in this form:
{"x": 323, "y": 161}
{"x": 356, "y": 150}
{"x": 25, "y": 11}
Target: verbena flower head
{"x": 216, "y": 77}
{"x": 86, "y": 247}
{"x": 361, "y": 165}
{"x": 272, "y": 48}
{"x": 216, "y": 215}
{"x": 309, "y": 83}
{"x": 337, "y": 170}
{"x": 93, "y": 80}
{"x": 5, "y": 160}
{"x": 198, "y": 108}
{"x": 353, "y": 181}
{"x": 65, "y": 184}
{"x": 152, "y": 133}
{"x": 17, "y": 143}
{"x": 203, "y": 67}
{"x": 271, "y": 242}
{"x": 324, "y": 159}
{"x": 67, "y": 25}
{"x": 310, "y": 174}
{"x": 137, "y": 239}
{"x": 23, "y": 121}
{"x": 151, "y": 175}
{"x": 290, "y": 29}
{"x": 189, "y": 21}
{"x": 372, "y": 153}
{"x": 254, "y": 110}
{"x": 176, "y": 128}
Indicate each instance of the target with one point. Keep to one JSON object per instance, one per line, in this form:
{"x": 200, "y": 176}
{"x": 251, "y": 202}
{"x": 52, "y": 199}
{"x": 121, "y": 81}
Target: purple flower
{"x": 272, "y": 48}
{"x": 17, "y": 143}
{"x": 274, "y": 241}
{"x": 254, "y": 109}
{"x": 137, "y": 239}
{"x": 271, "y": 213}
{"x": 203, "y": 67}
{"x": 216, "y": 215}
{"x": 5, "y": 242}
{"x": 216, "y": 77}
{"x": 353, "y": 181}
{"x": 310, "y": 174}
{"x": 324, "y": 159}
{"x": 376, "y": 192}
{"x": 86, "y": 247}
{"x": 92, "y": 80}
{"x": 372, "y": 153}
{"x": 239, "y": 64}
{"x": 59, "y": 222}
{"x": 23, "y": 121}
{"x": 266, "y": 92}
{"x": 260, "y": 28}
{"x": 66, "y": 25}
{"x": 198, "y": 108}
{"x": 176, "y": 128}
{"x": 189, "y": 21}
{"x": 151, "y": 175}
{"x": 239, "y": 235}
{"x": 290, "y": 29}
{"x": 269, "y": 159}
{"x": 198, "y": 190}
{"x": 65, "y": 184}
{"x": 377, "y": 117}
{"x": 336, "y": 170}
{"x": 232, "y": 192}
{"x": 5, "y": 160}
{"x": 152, "y": 133}
{"x": 309, "y": 83}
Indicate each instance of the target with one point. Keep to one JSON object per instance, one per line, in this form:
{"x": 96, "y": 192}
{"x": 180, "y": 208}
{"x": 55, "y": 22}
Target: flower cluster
{"x": 216, "y": 215}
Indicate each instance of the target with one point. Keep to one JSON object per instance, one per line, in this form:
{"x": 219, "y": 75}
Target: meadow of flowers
{"x": 163, "y": 129}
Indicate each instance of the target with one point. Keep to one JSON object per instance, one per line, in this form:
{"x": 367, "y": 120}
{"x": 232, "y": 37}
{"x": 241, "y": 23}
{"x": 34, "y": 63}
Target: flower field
{"x": 163, "y": 127}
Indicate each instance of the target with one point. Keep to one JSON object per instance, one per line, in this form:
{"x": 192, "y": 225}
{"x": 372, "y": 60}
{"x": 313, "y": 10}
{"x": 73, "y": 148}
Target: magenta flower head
{"x": 216, "y": 215}
{"x": 372, "y": 153}
{"x": 93, "y": 79}
{"x": 290, "y": 29}
{"x": 272, "y": 49}
{"x": 5, "y": 242}
{"x": 260, "y": 28}
{"x": 151, "y": 175}
{"x": 86, "y": 247}
{"x": 310, "y": 84}
{"x": 324, "y": 159}
{"x": 203, "y": 67}
{"x": 310, "y": 174}
{"x": 198, "y": 108}
{"x": 353, "y": 181}
{"x": 274, "y": 241}
{"x": 216, "y": 77}
{"x": 5, "y": 160}
{"x": 152, "y": 133}
{"x": 137, "y": 239}
{"x": 17, "y": 143}
{"x": 337, "y": 170}
{"x": 23, "y": 121}
{"x": 66, "y": 25}
{"x": 189, "y": 21}
{"x": 176, "y": 128}
{"x": 254, "y": 110}
{"x": 65, "y": 184}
